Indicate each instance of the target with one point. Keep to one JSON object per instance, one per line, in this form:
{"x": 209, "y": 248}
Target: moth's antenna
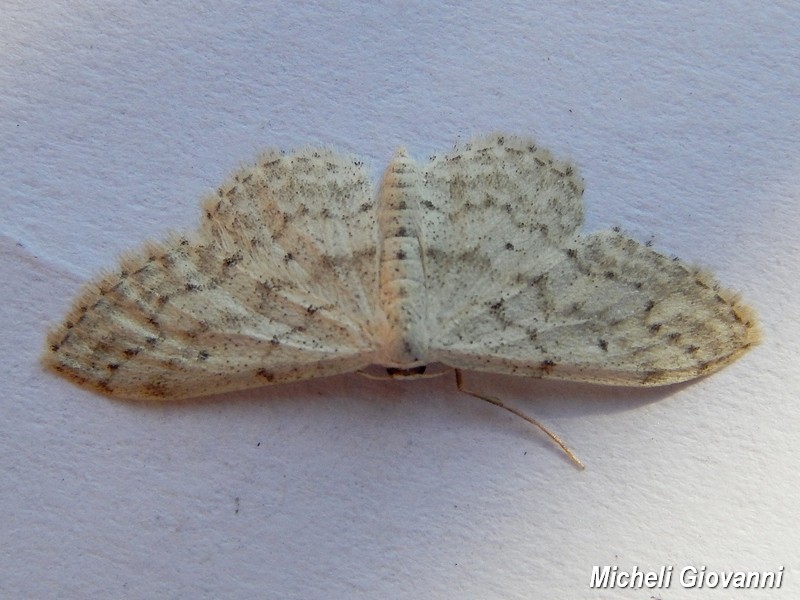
{"x": 521, "y": 415}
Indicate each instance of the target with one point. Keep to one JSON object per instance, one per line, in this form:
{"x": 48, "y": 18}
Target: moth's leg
{"x": 521, "y": 415}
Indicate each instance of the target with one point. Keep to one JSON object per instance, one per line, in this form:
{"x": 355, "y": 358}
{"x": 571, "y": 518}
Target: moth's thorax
{"x": 402, "y": 277}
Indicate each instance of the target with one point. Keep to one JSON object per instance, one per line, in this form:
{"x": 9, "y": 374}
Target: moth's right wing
{"x": 277, "y": 284}
{"x": 514, "y": 288}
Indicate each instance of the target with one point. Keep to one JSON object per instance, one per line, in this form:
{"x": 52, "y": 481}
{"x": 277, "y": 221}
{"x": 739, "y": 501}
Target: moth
{"x": 473, "y": 260}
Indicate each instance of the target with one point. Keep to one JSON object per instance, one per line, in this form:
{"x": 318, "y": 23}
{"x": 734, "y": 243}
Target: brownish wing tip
{"x": 749, "y": 336}
{"x": 753, "y": 333}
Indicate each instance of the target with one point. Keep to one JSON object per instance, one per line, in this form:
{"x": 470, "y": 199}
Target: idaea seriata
{"x": 473, "y": 260}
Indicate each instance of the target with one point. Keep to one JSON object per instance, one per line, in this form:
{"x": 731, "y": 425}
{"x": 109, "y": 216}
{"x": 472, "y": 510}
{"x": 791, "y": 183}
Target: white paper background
{"x": 116, "y": 117}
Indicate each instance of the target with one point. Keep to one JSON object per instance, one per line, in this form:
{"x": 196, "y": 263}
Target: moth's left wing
{"x": 277, "y": 284}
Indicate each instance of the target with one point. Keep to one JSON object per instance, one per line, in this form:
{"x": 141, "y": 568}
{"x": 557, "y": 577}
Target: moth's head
{"x": 418, "y": 372}
{"x": 412, "y": 373}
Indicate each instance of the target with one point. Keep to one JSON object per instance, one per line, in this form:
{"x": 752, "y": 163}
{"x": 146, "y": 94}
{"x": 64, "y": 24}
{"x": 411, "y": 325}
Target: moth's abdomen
{"x": 402, "y": 278}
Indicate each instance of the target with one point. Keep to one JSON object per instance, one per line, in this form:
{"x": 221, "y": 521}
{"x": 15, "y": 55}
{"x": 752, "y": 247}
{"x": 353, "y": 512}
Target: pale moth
{"x": 473, "y": 260}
